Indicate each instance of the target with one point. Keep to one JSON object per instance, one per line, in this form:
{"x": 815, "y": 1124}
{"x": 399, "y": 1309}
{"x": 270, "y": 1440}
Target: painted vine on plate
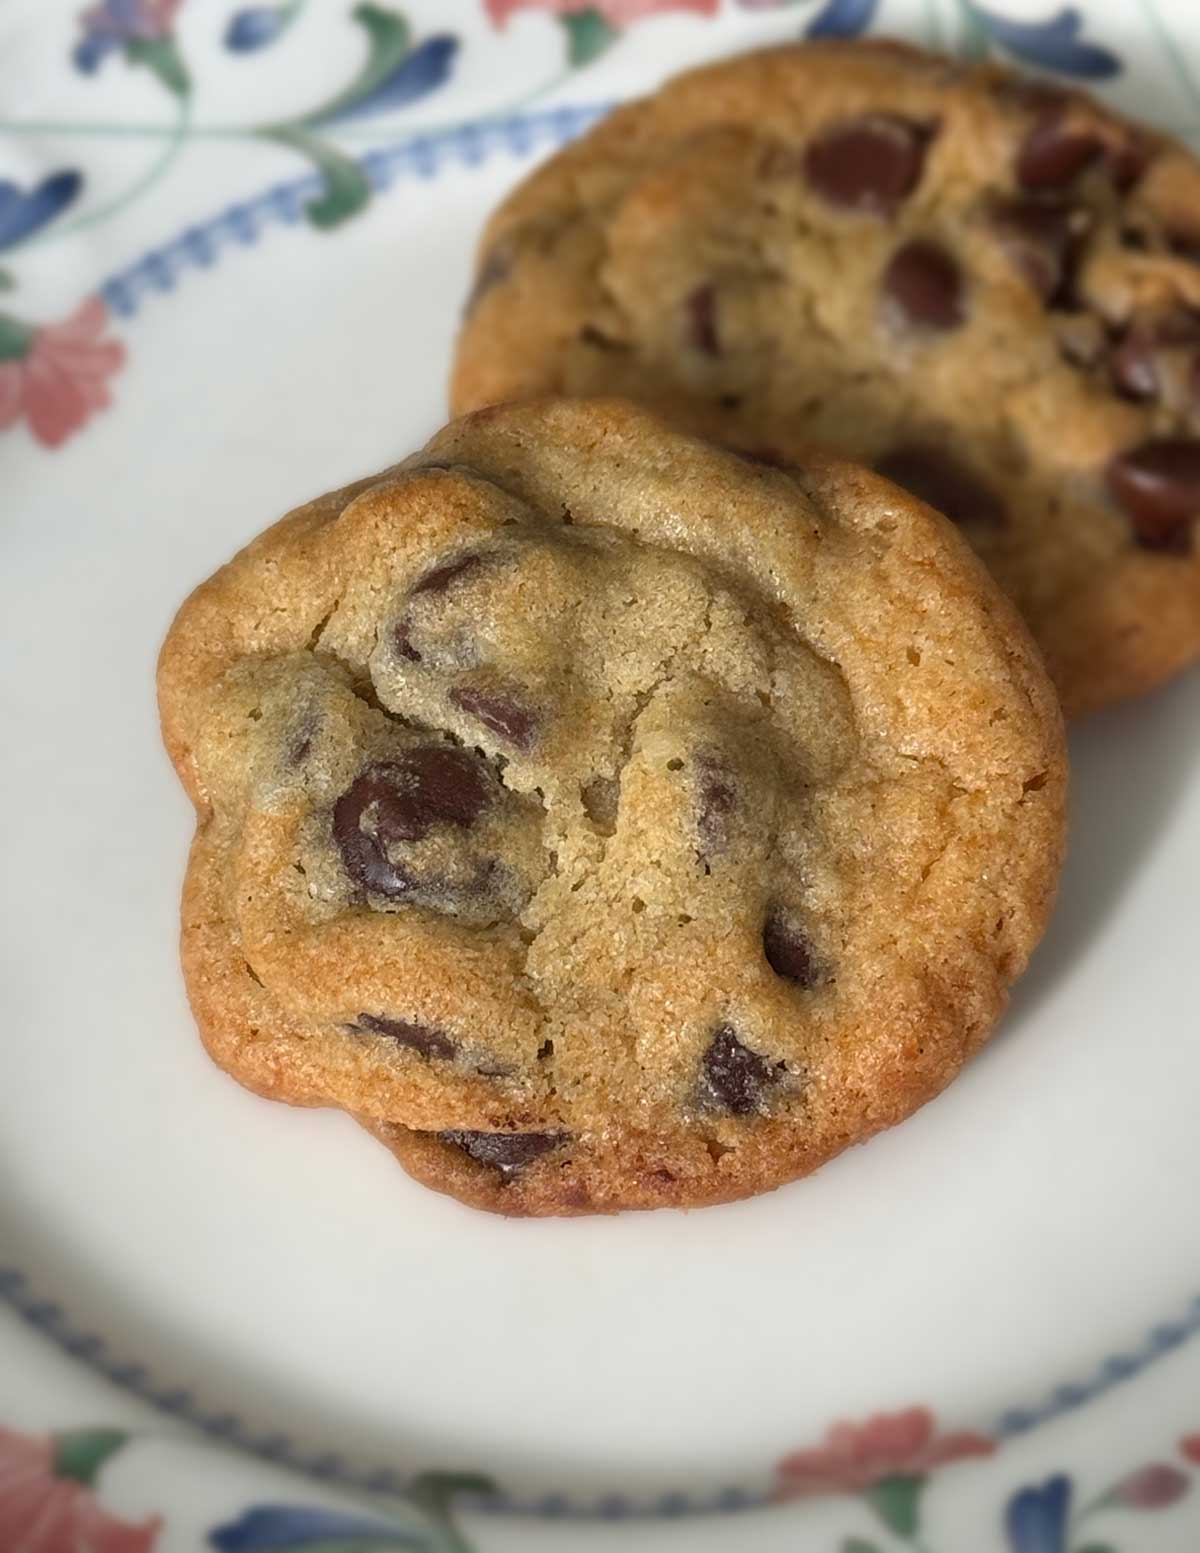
{"x": 54, "y": 375}
{"x": 51, "y": 1497}
{"x": 886, "y": 1462}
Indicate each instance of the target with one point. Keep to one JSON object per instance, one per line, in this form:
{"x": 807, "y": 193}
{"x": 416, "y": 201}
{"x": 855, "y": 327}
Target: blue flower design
{"x": 22, "y": 213}
{"x": 113, "y": 25}
{"x": 1036, "y": 1518}
{"x": 420, "y": 72}
{"x": 283, "y": 1528}
{"x": 1054, "y": 44}
{"x": 256, "y": 28}
{"x": 842, "y": 19}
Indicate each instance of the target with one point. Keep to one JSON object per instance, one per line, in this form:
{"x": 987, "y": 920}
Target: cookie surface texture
{"x": 984, "y": 287}
{"x": 606, "y": 820}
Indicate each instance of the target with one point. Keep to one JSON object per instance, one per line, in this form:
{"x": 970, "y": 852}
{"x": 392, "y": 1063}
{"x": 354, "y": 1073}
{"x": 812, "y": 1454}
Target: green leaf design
{"x": 80, "y": 1453}
{"x": 388, "y": 39}
{"x": 163, "y": 57}
{"x": 15, "y": 338}
{"x": 7, "y": 280}
{"x": 588, "y": 35}
{"x": 434, "y": 1492}
{"x": 1097, "y": 1547}
{"x": 859, "y": 1545}
{"x": 896, "y": 1501}
{"x": 975, "y": 41}
{"x": 346, "y": 188}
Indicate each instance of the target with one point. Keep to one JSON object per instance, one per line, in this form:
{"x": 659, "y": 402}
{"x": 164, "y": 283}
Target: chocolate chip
{"x": 1158, "y": 485}
{"x": 788, "y": 951}
{"x": 1137, "y": 360}
{"x": 716, "y": 801}
{"x": 733, "y": 1075}
{"x": 507, "y": 1152}
{"x": 870, "y": 164}
{"x": 506, "y": 717}
{"x": 1040, "y": 238}
{"x": 497, "y": 266}
{"x": 401, "y": 800}
{"x": 701, "y": 306}
{"x": 440, "y": 577}
{"x": 423, "y": 1039}
{"x": 402, "y": 641}
{"x": 938, "y": 478}
{"x": 923, "y": 287}
{"x": 1055, "y": 152}
{"x": 1184, "y": 244}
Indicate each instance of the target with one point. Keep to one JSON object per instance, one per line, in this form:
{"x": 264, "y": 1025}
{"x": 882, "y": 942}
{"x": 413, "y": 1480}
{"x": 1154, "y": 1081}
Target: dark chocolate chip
{"x": 495, "y": 268}
{"x": 440, "y": 577}
{"x": 1127, "y": 162}
{"x": 788, "y": 951}
{"x": 1055, "y": 152}
{"x": 1184, "y": 244}
{"x": 402, "y": 641}
{"x": 716, "y": 801}
{"x": 423, "y": 1039}
{"x": 1136, "y": 360}
{"x": 701, "y": 307}
{"x": 506, "y": 717}
{"x": 1158, "y": 485}
{"x": 402, "y": 800}
{"x": 938, "y": 478}
{"x": 507, "y": 1152}
{"x": 1039, "y": 238}
{"x": 869, "y": 164}
{"x": 923, "y": 287}
{"x": 734, "y": 1076}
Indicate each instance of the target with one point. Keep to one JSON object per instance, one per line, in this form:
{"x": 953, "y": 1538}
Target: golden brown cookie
{"x": 987, "y": 288}
{"x": 604, "y": 819}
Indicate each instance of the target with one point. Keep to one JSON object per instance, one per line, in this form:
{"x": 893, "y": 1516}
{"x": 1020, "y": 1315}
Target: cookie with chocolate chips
{"x": 604, "y": 819}
{"x": 985, "y": 287}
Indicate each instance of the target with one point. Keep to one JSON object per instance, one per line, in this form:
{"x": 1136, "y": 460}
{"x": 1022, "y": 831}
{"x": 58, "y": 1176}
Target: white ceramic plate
{"x": 1022, "y": 1247}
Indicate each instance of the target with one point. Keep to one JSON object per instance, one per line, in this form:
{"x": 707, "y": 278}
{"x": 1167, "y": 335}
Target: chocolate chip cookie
{"x": 986, "y": 287}
{"x": 604, "y": 819}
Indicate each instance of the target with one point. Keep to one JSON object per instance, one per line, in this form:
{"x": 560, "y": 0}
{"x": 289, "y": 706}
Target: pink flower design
{"x": 56, "y": 375}
{"x": 1190, "y": 1447}
{"x": 618, "y": 13}
{"x": 887, "y": 1445}
{"x": 1152, "y": 1487}
{"x": 44, "y": 1513}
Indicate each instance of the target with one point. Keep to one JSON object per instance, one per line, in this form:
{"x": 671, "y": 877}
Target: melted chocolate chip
{"x": 734, "y": 1076}
{"x": 495, "y": 268}
{"x": 869, "y": 164}
{"x": 423, "y": 1039}
{"x": 506, "y": 717}
{"x": 401, "y": 800}
{"x": 923, "y": 287}
{"x": 1040, "y": 238}
{"x": 937, "y": 478}
{"x": 788, "y": 951}
{"x": 717, "y": 799}
{"x": 1055, "y": 152}
{"x": 701, "y": 307}
{"x": 507, "y": 1152}
{"x": 1158, "y": 485}
{"x": 440, "y": 577}
{"x": 302, "y": 741}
